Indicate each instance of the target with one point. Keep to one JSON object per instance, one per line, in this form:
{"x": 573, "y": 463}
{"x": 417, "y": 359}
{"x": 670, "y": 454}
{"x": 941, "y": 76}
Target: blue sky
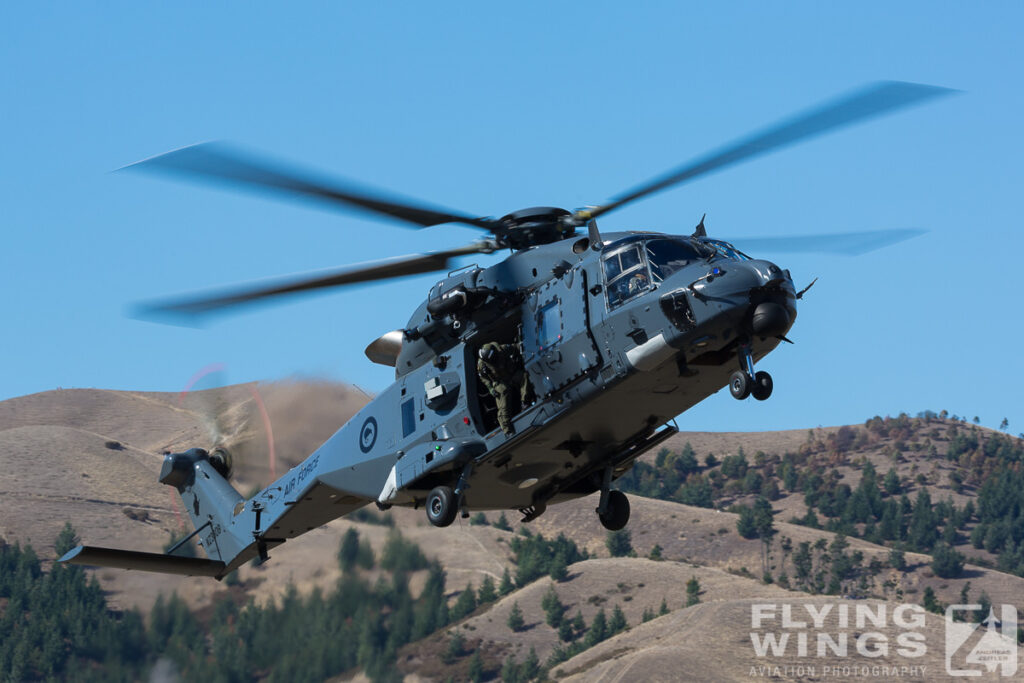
{"x": 488, "y": 109}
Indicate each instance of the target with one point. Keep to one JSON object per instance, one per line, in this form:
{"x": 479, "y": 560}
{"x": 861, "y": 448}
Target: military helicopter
{"x": 616, "y": 333}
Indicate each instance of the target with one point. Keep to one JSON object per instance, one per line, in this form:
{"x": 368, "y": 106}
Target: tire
{"x": 762, "y": 386}
{"x": 441, "y": 508}
{"x": 740, "y": 385}
{"x": 616, "y": 515}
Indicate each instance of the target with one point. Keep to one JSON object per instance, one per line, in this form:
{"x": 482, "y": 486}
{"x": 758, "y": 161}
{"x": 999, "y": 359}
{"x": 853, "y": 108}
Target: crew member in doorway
{"x": 500, "y": 368}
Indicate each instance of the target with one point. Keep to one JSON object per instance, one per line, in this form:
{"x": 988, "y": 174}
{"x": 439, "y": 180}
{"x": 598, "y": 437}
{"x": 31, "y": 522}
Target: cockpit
{"x": 726, "y": 250}
{"x": 634, "y": 265}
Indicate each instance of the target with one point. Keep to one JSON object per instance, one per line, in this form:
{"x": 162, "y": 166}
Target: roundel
{"x": 368, "y": 434}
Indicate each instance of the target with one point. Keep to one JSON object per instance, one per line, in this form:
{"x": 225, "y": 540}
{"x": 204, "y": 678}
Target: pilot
{"x": 637, "y": 283}
{"x": 500, "y": 368}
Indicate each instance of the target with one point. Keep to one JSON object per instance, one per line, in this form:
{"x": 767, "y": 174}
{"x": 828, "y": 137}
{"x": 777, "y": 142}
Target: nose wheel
{"x": 746, "y": 382}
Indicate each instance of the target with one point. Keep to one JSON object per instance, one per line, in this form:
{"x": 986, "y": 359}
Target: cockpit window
{"x": 625, "y": 272}
{"x": 727, "y": 250}
{"x": 668, "y": 256}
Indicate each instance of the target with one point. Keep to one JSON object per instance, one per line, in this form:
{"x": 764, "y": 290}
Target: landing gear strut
{"x": 613, "y": 510}
{"x": 745, "y": 381}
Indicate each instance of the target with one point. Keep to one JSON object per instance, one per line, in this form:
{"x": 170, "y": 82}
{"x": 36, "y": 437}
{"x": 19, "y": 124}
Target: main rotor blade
{"x": 218, "y": 161}
{"x": 874, "y": 100}
{"x": 845, "y": 243}
{"x": 188, "y": 310}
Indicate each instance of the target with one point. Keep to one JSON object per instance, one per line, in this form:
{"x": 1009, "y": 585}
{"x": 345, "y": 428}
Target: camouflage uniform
{"x": 501, "y": 373}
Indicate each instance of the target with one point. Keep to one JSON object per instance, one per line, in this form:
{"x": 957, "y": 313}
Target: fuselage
{"x": 615, "y": 340}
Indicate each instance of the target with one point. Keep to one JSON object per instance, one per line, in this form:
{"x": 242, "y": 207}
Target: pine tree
{"x": 981, "y": 614}
{"x": 617, "y": 622}
{"x": 745, "y": 525}
{"x": 663, "y": 609}
{"x": 506, "y": 586}
{"x": 559, "y": 570}
{"x": 897, "y": 558}
{"x": 531, "y": 665}
{"x": 922, "y": 532}
{"x": 946, "y": 562}
{"x": 553, "y": 607}
{"x": 66, "y": 540}
{"x": 619, "y": 543}
{"x": 577, "y": 622}
{"x": 455, "y": 646}
{"x": 692, "y": 591}
{"x": 598, "y": 629}
{"x": 465, "y": 604}
{"x": 510, "y": 672}
{"x": 515, "y": 618}
{"x": 502, "y": 523}
{"x": 476, "y": 667}
{"x": 655, "y": 553}
{"x": 348, "y": 551}
{"x": 763, "y": 518}
{"x": 487, "y": 592}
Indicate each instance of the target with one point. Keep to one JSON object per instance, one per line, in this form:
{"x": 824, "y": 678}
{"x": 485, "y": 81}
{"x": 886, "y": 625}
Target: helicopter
{"x": 616, "y": 333}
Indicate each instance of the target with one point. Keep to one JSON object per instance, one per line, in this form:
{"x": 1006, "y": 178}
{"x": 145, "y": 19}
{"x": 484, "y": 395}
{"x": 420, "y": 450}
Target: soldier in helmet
{"x": 500, "y": 368}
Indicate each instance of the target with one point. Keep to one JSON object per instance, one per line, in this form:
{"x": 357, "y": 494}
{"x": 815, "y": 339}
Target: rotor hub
{"x": 536, "y": 225}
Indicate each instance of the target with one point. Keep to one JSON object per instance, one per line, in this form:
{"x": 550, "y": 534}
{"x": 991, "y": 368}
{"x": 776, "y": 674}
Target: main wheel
{"x": 441, "y": 508}
{"x": 739, "y": 385}
{"x": 616, "y": 514}
{"x": 762, "y": 386}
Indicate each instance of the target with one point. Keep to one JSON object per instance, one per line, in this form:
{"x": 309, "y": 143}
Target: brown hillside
{"x": 709, "y": 537}
{"x": 91, "y": 457}
{"x": 712, "y": 642}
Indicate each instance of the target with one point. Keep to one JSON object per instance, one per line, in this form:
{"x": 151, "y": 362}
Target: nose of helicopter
{"x": 772, "y": 300}
{"x": 760, "y": 287}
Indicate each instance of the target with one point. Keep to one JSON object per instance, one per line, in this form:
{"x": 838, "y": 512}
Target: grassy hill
{"x": 91, "y": 457}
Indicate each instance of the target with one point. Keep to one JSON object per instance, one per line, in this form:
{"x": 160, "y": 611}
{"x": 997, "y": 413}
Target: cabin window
{"x": 549, "y": 324}
{"x": 408, "y": 417}
{"x": 625, "y": 271}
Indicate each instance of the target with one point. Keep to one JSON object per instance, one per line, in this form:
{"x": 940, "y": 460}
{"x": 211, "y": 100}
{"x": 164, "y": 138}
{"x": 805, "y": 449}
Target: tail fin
{"x": 211, "y": 502}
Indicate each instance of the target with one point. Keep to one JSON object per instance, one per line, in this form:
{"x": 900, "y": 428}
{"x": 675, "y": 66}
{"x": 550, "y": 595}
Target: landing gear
{"x": 745, "y": 382}
{"x": 616, "y": 513}
{"x": 613, "y": 510}
{"x": 739, "y": 385}
{"x": 762, "y": 388}
{"x": 442, "y": 506}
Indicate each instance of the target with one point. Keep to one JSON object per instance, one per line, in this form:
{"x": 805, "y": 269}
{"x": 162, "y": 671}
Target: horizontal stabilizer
{"x": 150, "y": 562}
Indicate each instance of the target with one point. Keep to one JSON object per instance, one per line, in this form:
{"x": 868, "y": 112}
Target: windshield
{"x": 668, "y": 256}
{"x": 727, "y": 250}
